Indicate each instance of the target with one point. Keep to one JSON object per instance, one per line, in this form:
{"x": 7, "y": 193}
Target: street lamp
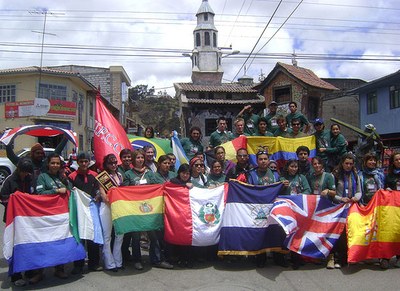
{"x": 230, "y": 54}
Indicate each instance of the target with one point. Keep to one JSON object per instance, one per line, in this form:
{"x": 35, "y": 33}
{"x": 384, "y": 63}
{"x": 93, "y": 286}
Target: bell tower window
{"x": 207, "y": 38}
{"x": 198, "y": 41}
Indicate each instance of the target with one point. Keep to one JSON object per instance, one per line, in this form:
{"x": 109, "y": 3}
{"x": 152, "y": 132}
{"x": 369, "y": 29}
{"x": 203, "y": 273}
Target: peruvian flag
{"x": 109, "y": 136}
{"x": 193, "y": 217}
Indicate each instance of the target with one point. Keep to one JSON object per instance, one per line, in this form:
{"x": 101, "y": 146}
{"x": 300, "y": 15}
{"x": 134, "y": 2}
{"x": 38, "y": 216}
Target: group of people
{"x": 331, "y": 174}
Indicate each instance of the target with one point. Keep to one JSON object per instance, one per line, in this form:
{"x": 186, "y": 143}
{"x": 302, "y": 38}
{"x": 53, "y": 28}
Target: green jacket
{"x": 48, "y": 184}
{"x": 157, "y": 178}
{"x": 191, "y": 147}
{"x": 298, "y": 184}
{"x": 133, "y": 177}
{"x": 217, "y": 138}
{"x": 321, "y": 182}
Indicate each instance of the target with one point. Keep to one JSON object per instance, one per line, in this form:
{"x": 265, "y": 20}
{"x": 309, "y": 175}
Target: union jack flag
{"x": 312, "y": 223}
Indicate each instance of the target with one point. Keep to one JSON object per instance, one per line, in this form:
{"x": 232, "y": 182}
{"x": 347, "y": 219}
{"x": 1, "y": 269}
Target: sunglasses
{"x": 295, "y": 124}
{"x": 199, "y": 165}
{"x": 262, "y": 153}
{"x": 242, "y": 156}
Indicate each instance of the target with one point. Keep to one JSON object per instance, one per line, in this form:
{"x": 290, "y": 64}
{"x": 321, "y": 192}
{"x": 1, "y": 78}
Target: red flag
{"x": 109, "y": 136}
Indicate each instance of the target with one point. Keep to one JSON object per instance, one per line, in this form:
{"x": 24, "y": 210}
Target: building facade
{"x": 287, "y": 83}
{"x": 25, "y": 93}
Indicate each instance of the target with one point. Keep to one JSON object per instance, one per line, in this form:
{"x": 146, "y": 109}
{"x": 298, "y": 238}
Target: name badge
{"x": 273, "y": 122}
{"x": 142, "y": 181}
{"x": 316, "y": 192}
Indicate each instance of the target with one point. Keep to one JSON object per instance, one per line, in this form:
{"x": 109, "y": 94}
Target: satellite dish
{"x": 41, "y": 107}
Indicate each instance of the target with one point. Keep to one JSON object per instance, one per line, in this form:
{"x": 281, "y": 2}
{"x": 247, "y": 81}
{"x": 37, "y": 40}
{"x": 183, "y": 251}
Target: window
{"x": 198, "y": 41}
{"x": 53, "y": 92}
{"x": 206, "y": 17}
{"x": 394, "y": 96}
{"x": 80, "y": 109}
{"x": 372, "y": 103}
{"x": 207, "y": 38}
{"x": 282, "y": 95}
{"x": 214, "y": 39}
{"x": 7, "y": 93}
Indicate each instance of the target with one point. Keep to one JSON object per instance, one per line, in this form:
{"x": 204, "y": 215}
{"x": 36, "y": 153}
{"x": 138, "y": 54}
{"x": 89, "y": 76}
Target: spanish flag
{"x": 374, "y": 230}
{"x": 137, "y": 208}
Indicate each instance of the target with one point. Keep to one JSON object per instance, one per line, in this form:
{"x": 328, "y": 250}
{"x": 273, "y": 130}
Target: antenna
{"x": 43, "y": 32}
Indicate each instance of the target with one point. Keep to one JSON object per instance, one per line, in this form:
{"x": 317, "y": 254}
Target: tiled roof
{"x": 224, "y": 88}
{"x": 307, "y": 76}
{"x": 34, "y": 69}
{"x": 224, "y": 101}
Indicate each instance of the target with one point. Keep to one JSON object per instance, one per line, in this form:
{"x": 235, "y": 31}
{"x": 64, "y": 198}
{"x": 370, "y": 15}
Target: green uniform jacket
{"x": 48, "y": 184}
{"x": 213, "y": 180}
{"x": 298, "y": 184}
{"x": 133, "y": 177}
{"x": 157, "y": 178}
{"x": 321, "y": 182}
{"x": 217, "y": 138}
{"x": 191, "y": 147}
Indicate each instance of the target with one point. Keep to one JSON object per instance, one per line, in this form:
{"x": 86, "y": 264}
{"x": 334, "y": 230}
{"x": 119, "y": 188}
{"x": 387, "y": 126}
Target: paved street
{"x": 220, "y": 276}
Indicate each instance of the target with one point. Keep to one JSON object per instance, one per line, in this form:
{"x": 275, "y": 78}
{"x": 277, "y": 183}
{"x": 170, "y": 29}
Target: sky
{"x": 337, "y": 39}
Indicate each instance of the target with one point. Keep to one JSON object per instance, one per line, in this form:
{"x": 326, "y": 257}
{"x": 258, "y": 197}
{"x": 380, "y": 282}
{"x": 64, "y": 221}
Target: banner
{"x": 373, "y": 231}
{"x": 37, "y": 233}
{"x": 245, "y": 230}
{"x": 137, "y": 208}
{"x": 313, "y": 224}
{"x": 193, "y": 217}
{"x": 109, "y": 136}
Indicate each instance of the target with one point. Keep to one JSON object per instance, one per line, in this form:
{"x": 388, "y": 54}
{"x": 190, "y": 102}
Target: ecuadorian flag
{"x": 374, "y": 230}
{"x": 279, "y": 148}
{"x": 137, "y": 208}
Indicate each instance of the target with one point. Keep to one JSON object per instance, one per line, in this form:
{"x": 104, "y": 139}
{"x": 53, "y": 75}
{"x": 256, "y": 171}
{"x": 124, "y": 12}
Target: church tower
{"x": 206, "y": 56}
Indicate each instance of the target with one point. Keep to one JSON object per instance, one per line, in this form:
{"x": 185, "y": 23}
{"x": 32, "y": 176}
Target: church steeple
{"x": 206, "y": 56}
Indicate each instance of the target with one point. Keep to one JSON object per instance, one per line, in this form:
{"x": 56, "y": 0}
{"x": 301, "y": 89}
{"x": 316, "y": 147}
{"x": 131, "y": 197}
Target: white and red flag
{"x": 109, "y": 136}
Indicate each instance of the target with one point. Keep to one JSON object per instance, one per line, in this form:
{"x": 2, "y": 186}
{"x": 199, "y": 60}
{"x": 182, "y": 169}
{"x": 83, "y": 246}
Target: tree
{"x": 140, "y": 92}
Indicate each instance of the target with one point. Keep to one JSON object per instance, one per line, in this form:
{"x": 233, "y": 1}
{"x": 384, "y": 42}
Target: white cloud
{"x": 345, "y": 27}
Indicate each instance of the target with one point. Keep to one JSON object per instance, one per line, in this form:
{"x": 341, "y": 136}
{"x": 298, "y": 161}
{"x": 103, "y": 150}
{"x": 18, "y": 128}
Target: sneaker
{"x": 164, "y": 265}
{"x": 384, "y": 264}
{"x": 19, "y": 283}
{"x": 77, "y": 271}
{"x": 397, "y": 264}
{"x": 138, "y": 266}
{"x": 337, "y": 266}
{"x": 60, "y": 274}
{"x": 35, "y": 279}
{"x": 331, "y": 263}
{"x": 96, "y": 268}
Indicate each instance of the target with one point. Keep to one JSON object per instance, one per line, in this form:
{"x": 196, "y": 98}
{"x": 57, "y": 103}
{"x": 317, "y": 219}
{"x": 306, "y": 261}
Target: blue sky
{"x": 104, "y": 33}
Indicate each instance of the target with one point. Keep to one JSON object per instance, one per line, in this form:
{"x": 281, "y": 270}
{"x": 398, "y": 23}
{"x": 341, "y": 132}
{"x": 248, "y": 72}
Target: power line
{"x": 255, "y": 45}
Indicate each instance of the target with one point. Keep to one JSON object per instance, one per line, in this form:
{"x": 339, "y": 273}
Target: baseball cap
{"x": 273, "y": 103}
{"x": 319, "y": 121}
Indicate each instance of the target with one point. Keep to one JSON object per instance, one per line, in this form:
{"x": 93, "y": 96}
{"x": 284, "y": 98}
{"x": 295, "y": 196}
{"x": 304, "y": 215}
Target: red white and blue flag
{"x": 245, "y": 229}
{"x": 37, "y": 233}
{"x": 313, "y": 224}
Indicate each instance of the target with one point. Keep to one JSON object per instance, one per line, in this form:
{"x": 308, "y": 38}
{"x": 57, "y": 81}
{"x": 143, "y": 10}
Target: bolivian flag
{"x": 374, "y": 230}
{"x": 137, "y": 208}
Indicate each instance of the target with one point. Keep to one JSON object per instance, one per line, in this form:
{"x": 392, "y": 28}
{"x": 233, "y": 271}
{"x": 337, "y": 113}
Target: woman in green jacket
{"x": 337, "y": 148}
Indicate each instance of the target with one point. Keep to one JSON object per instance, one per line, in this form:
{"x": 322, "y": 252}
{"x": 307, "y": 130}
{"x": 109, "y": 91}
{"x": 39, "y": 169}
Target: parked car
{"x": 7, "y": 167}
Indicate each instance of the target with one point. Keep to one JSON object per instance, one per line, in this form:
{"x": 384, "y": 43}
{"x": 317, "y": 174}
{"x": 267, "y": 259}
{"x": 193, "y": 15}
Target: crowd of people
{"x": 331, "y": 173}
